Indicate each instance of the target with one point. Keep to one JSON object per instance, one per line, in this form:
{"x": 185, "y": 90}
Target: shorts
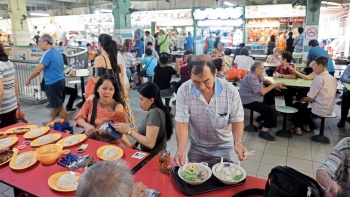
{"x": 55, "y": 93}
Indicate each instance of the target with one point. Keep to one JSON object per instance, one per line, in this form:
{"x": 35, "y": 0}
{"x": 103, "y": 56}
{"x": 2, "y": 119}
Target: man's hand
{"x": 138, "y": 190}
{"x": 280, "y": 86}
{"x": 240, "y": 150}
{"x": 180, "y": 158}
{"x": 332, "y": 189}
{"x": 28, "y": 82}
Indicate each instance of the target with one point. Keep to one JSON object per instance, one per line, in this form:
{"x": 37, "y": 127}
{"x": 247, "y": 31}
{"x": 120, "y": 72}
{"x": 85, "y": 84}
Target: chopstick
{"x": 252, "y": 152}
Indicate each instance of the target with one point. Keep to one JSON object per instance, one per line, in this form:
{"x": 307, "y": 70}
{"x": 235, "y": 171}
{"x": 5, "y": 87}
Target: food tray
{"x": 212, "y": 184}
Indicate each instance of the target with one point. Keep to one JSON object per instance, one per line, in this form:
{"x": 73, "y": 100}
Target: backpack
{"x": 286, "y": 182}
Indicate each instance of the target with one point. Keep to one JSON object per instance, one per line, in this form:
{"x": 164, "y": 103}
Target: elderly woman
{"x": 109, "y": 109}
{"x": 275, "y": 57}
{"x": 255, "y": 97}
{"x": 154, "y": 131}
{"x": 286, "y": 69}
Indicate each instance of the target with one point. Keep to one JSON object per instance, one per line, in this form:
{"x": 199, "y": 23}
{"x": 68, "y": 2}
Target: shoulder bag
{"x": 143, "y": 73}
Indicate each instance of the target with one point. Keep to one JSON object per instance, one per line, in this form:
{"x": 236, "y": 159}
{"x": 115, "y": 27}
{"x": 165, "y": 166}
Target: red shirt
{"x": 184, "y": 73}
{"x": 286, "y": 71}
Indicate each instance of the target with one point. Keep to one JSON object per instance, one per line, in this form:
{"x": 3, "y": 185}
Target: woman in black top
{"x": 290, "y": 40}
{"x": 271, "y": 45}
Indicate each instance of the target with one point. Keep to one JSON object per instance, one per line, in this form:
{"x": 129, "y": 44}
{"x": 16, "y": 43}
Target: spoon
{"x": 184, "y": 167}
{"x": 220, "y": 166}
{"x": 252, "y": 152}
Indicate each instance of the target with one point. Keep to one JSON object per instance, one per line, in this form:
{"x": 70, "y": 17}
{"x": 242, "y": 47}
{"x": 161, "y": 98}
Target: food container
{"x": 201, "y": 166}
{"x": 48, "y": 154}
{"x": 230, "y": 166}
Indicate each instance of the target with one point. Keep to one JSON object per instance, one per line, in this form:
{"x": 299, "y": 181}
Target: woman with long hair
{"x": 157, "y": 127}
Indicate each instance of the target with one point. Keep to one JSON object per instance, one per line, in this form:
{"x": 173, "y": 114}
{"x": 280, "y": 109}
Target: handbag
{"x": 143, "y": 73}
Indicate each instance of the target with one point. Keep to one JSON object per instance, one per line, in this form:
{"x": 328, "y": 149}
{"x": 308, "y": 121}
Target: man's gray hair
{"x": 255, "y": 65}
{"x": 47, "y": 38}
{"x": 106, "y": 178}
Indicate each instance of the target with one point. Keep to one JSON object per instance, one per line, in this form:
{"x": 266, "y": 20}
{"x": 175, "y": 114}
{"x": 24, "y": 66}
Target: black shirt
{"x": 36, "y": 38}
{"x": 162, "y": 76}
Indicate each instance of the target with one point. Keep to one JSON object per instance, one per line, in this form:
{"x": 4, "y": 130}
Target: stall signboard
{"x": 275, "y": 11}
{"x": 218, "y": 13}
{"x": 31, "y": 52}
{"x": 78, "y": 22}
{"x": 294, "y": 20}
{"x": 163, "y": 15}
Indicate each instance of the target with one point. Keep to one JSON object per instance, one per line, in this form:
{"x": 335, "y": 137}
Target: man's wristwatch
{"x": 237, "y": 140}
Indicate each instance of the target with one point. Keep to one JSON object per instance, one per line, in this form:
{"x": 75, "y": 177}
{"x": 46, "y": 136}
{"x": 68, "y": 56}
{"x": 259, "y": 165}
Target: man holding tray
{"x": 213, "y": 109}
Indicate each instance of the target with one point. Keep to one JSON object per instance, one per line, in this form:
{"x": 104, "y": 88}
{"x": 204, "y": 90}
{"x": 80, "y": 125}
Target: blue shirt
{"x": 139, "y": 52}
{"x": 318, "y": 51}
{"x": 52, "y": 59}
{"x": 345, "y": 77}
{"x": 150, "y": 63}
{"x": 189, "y": 43}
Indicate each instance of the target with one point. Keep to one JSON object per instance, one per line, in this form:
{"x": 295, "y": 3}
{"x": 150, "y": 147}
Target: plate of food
{"x": 21, "y": 129}
{"x": 2, "y": 135}
{"x": 7, "y": 142}
{"x": 66, "y": 181}
{"x": 72, "y": 140}
{"x": 23, "y": 160}
{"x": 46, "y": 139}
{"x": 7, "y": 154}
{"x": 109, "y": 152}
{"x": 230, "y": 173}
{"x": 194, "y": 173}
{"x": 36, "y": 132}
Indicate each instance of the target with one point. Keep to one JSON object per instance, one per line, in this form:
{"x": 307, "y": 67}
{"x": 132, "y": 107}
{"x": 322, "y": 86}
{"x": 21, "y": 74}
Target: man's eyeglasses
{"x": 262, "y": 68}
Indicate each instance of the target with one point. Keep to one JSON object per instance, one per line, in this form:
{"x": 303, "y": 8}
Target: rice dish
{"x": 5, "y": 142}
{"x": 110, "y": 152}
{"x": 24, "y": 160}
{"x": 46, "y": 139}
{"x": 71, "y": 140}
{"x": 35, "y": 132}
{"x": 68, "y": 182}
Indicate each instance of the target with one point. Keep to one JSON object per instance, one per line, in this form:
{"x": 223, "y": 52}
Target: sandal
{"x": 294, "y": 132}
{"x": 307, "y": 131}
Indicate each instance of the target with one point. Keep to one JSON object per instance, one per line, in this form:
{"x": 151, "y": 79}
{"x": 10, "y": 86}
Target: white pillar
{"x": 347, "y": 37}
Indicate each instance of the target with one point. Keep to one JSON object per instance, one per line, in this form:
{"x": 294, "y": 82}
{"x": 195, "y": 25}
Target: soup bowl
{"x": 185, "y": 172}
{"x": 48, "y": 154}
{"x": 230, "y": 174}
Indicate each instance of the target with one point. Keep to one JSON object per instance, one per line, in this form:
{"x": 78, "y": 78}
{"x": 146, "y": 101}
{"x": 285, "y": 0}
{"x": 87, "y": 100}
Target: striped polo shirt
{"x": 337, "y": 163}
{"x": 7, "y": 74}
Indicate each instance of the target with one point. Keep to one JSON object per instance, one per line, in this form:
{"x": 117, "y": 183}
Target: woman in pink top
{"x": 286, "y": 69}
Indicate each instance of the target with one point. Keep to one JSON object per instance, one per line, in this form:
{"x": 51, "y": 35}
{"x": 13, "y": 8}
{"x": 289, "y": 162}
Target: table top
{"x": 82, "y": 72}
{"x": 167, "y": 186}
{"x": 347, "y": 86}
{"x": 35, "y": 178}
{"x": 340, "y": 66}
{"x": 259, "y": 55}
{"x": 296, "y": 82}
{"x": 266, "y": 64}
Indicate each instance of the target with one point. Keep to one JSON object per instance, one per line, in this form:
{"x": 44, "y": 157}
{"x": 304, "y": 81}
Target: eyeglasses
{"x": 262, "y": 68}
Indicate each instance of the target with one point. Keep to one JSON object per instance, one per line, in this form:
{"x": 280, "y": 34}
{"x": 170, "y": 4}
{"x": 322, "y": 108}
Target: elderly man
{"x": 213, "y": 109}
{"x": 320, "y": 97}
{"x": 315, "y": 51}
{"x": 255, "y": 97}
{"x": 138, "y": 46}
{"x": 109, "y": 178}
{"x": 334, "y": 172}
{"x": 52, "y": 64}
{"x": 345, "y": 104}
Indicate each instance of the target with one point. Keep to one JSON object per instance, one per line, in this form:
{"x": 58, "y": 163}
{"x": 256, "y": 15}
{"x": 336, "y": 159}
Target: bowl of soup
{"x": 48, "y": 154}
{"x": 194, "y": 173}
{"x": 230, "y": 173}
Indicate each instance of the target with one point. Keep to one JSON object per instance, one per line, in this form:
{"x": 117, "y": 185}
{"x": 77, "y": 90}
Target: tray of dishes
{"x": 198, "y": 178}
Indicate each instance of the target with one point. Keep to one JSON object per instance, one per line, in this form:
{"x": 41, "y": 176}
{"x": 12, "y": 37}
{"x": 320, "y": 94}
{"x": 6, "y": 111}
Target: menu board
{"x": 275, "y": 11}
{"x": 164, "y": 15}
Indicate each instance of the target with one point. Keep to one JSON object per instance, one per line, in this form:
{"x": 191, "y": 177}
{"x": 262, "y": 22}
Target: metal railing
{"x": 77, "y": 57}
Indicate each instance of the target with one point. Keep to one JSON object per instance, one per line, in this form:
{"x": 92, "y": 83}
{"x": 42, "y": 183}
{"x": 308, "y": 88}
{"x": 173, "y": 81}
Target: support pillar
{"x": 347, "y": 38}
{"x": 18, "y": 15}
{"x": 312, "y": 18}
{"x": 122, "y": 21}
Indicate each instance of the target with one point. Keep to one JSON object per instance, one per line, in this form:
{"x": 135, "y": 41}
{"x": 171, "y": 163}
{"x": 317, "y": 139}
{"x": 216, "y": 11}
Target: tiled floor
{"x": 297, "y": 152}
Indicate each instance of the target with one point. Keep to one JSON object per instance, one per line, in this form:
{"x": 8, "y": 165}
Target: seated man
{"x": 149, "y": 63}
{"x": 320, "y": 97}
{"x": 162, "y": 77}
{"x": 335, "y": 170}
{"x": 345, "y": 104}
{"x": 252, "y": 95}
{"x": 244, "y": 61}
{"x": 130, "y": 63}
{"x": 68, "y": 90}
{"x": 109, "y": 178}
{"x": 154, "y": 52}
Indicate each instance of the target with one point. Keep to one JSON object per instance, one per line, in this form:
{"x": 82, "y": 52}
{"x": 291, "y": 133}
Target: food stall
{"x": 225, "y": 22}
{"x": 266, "y": 20}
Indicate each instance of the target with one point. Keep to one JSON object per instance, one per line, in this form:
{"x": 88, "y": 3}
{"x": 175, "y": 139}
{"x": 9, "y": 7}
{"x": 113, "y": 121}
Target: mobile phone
{"x": 114, "y": 133}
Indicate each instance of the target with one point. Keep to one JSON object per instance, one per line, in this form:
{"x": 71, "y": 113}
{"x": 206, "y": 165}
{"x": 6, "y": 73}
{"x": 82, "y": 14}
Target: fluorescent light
{"x": 97, "y": 11}
{"x": 106, "y": 10}
{"x": 39, "y": 14}
{"x": 330, "y": 3}
{"x": 228, "y": 3}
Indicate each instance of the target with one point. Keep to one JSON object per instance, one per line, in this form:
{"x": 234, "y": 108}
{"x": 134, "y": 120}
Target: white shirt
{"x": 244, "y": 62}
{"x": 181, "y": 41}
{"x": 150, "y": 39}
{"x": 121, "y": 60}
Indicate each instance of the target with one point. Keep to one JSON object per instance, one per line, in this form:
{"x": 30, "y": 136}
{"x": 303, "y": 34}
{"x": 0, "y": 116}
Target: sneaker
{"x": 266, "y": 135}
{"x": 341, "y": 124}
{"x": 71, "y": 110}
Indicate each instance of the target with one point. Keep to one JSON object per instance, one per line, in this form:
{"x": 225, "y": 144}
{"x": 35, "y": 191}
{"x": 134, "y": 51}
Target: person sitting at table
{"x": 271, "y": 45}
{"x": 149, "y": 63}
{"x": 221, "y": 48}
{"x": 237, "y": 51}
{"x": 316, "y": 50}
{"x": 215, "y": 53}
{"x": 220, "y": 65}
{"x": 255, "y": 97}
{"x": 334, "y": 171}
{"x": 244, "y": 61}
{"x": 131, "y": 63}
{"x": 162, "y": 77}
{"x": 345, "y": 104}
{"x": 184, "y": 73}
{"x": 68, "y": 90}
{"x": 286, "y": 69}
{"x": 228, "y": 61}
{"x": 273, "y": 58}
{"x": 154, "y": 52}
{"x": 110, "y": 108}
{"x": 319, "y": 100}
{"x": 109, "y": 178}
{"x": 154, "y": 131}
{"x": 184, "y": 61}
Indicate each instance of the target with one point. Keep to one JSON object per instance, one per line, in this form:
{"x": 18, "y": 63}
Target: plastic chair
{"x": 321, "y": 138}
{"x": 285, "y": 110}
